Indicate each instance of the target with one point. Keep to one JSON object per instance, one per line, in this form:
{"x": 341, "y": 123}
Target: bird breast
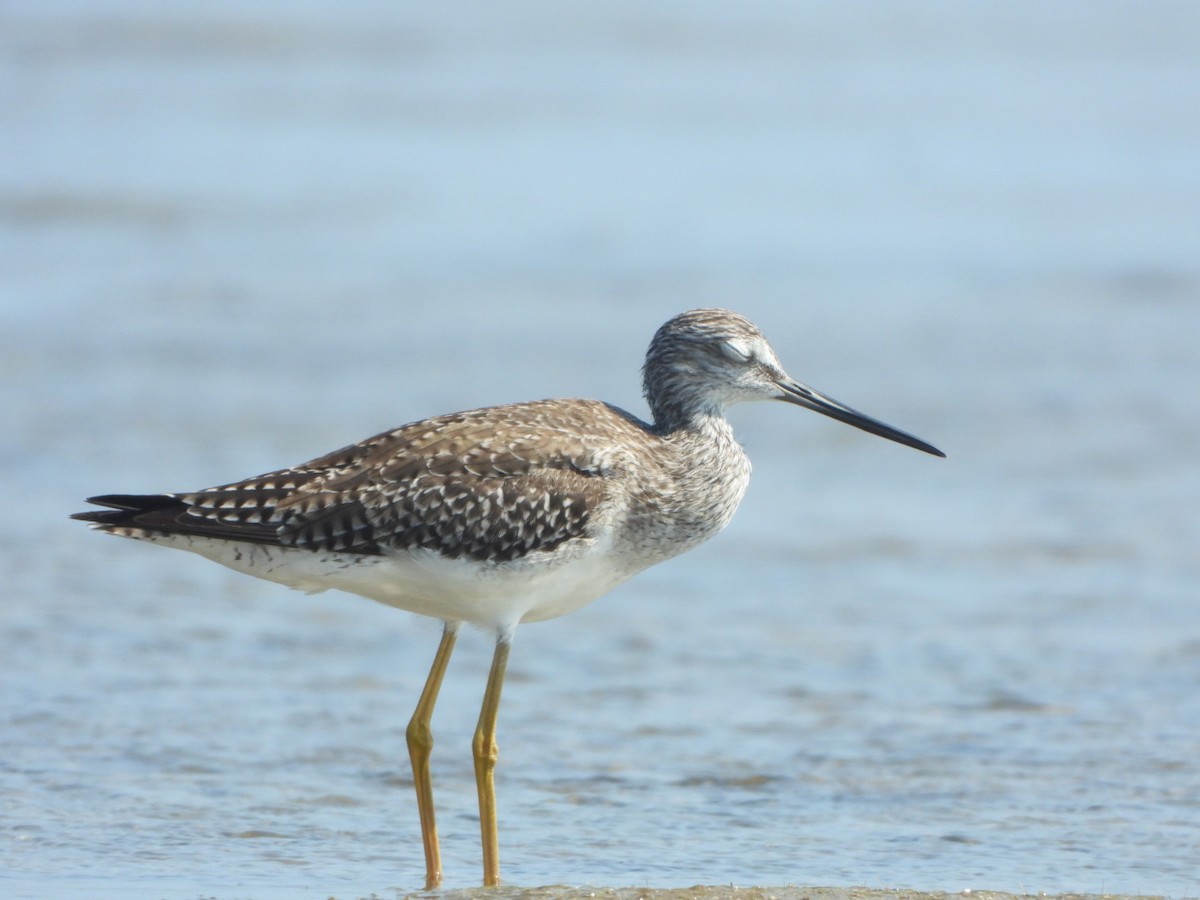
{"x": 692, "y": 493}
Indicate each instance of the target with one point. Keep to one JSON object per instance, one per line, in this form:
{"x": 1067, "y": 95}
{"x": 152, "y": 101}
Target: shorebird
{"x": 502, "y": 515}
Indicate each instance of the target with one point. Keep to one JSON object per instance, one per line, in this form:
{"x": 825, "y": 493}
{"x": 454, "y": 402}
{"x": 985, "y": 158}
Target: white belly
{"x": 497, "y": 596}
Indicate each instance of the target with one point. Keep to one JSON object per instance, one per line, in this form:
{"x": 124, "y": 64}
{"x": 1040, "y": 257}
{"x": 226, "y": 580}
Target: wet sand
{"x": 729, "y": 892}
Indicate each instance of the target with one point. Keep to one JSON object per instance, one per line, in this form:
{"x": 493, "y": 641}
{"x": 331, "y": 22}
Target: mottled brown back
{"x": 490, "y": 484}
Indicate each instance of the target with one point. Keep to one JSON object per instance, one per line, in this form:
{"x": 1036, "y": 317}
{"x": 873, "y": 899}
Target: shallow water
{"x": 231, "y": 239}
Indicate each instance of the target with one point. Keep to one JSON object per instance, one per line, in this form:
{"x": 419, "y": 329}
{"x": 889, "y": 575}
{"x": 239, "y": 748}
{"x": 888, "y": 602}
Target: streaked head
{"x": 704, "y": 360}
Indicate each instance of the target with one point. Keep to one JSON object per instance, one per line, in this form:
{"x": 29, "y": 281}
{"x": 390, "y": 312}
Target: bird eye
{"x": 734, "y": 350}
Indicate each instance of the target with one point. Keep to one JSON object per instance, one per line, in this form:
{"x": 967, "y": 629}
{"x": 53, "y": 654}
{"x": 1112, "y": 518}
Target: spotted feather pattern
{"x": 493, "y": 485}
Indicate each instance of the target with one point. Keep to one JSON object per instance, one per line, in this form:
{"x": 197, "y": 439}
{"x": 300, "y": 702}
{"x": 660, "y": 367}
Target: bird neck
{"x": 679, "y": 403}
{"x": 680, "y": 395}
{"x": 698, "y": 418}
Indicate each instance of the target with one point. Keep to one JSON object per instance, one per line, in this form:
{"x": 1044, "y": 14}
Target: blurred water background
{"x": 236, "y": 235}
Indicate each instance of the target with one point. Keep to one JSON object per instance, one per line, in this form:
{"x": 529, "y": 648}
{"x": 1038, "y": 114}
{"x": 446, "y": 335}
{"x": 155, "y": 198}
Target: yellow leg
{"x": 420, "y": 745}
{"x": 486, "y": 752}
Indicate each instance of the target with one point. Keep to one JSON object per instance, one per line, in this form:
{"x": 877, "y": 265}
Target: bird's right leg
{"x": 420, "y": 745}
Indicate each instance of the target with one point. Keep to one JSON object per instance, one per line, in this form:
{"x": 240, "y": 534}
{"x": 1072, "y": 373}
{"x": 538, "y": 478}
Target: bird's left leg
{"x": 486, "y": 752}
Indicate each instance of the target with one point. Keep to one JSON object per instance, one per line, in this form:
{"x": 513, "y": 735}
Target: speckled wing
{"x": 490, "y": 485}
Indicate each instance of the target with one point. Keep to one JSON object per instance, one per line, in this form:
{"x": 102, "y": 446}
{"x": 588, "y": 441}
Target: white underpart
{"x": 495, "y": 596}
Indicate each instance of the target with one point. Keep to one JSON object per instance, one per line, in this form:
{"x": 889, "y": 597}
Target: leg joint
{"x": 484, "y": 748}
{"x": 419, "y": 735}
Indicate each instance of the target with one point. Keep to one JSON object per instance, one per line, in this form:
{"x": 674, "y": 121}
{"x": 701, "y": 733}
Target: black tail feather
{"x": 123, "y": 509}
{"x": 167, "y": 514}
{"x": 130, "y": 502}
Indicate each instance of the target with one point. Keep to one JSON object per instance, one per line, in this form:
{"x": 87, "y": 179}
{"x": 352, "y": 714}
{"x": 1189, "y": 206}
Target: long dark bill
{"x": 803, "y": 395}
